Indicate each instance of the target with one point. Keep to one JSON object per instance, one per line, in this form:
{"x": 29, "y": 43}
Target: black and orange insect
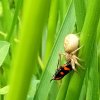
{"x": 62, "y": 71}
{"x": 71, "y": 46}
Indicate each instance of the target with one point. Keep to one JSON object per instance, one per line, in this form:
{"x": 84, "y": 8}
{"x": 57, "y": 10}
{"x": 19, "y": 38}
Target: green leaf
{"x": 4, "y": 48}
{"x": 80, "y": 12}
{"x": 52, "y": 24}
{"x": 7, "y": 18}
{"x": 4, "y": 90}
{"x": 23, "y": 61}
{"x": 15, "y": 18}
{"x": 32, "y": 88}
{"x": 88, "y": 40}
{"x": 53, "y": 91}
{"x": 67, "y": 27}
{"x": 64, "y": 86}
{"x": 93, "y": 79}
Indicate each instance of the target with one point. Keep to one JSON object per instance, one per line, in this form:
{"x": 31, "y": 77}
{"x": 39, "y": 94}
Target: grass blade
{"x": 52, "y": 24}
{"x": 6, "y": 16}
{"x": 68, "y": 26}
{"x": 4, "y": 48}
{"x": 80, "y": 12}
{"x": 93, "y": 80}
{"x": 62, "y": 91}
{"x": 15, "y": 18}
{"x": 34, "y": 16}
{"x": 87, "y": 36}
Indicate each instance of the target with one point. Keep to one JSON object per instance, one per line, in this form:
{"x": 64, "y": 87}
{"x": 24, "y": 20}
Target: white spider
{"x": 71, "y": 43}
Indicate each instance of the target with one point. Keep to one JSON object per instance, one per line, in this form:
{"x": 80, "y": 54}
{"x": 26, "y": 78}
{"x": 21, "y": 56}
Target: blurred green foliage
{"x": 31, "y": 37}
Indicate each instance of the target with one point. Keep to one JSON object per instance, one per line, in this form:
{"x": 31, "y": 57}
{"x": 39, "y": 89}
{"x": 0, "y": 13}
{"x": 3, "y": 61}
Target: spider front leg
{"x": 76, "y": 61}
{"x": 76, "y": 50}
{"x": 73, "y": 65}
{"x": 78, "y": 64}
{"x": 59, "y": 59}
{"x": 78, "y": 58}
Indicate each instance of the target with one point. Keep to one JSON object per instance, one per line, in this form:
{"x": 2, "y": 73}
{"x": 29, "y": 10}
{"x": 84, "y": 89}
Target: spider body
{"x": 71, "y": 43}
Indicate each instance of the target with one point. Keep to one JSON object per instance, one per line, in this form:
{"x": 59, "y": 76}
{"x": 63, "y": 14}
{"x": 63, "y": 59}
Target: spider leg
{"x": 78, "y": 58}
{"x": 78, "y": 64}
{"x": 59, "y": 59}
{"x": 76, "y": 50}
{"x": 73, "y": 65}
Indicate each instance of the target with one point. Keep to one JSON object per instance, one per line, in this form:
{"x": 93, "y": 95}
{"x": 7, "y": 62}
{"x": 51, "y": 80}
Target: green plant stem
{"x": 15, "y": 18}
{"x": 88, "y": 38}
{"x": 52, "y": 23}
{"x": 6, "y": 16}
{"x": 34, "y": 16}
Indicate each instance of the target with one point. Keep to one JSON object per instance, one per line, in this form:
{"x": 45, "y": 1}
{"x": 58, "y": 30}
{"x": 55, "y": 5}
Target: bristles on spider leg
{"x": 79, "y": 65}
